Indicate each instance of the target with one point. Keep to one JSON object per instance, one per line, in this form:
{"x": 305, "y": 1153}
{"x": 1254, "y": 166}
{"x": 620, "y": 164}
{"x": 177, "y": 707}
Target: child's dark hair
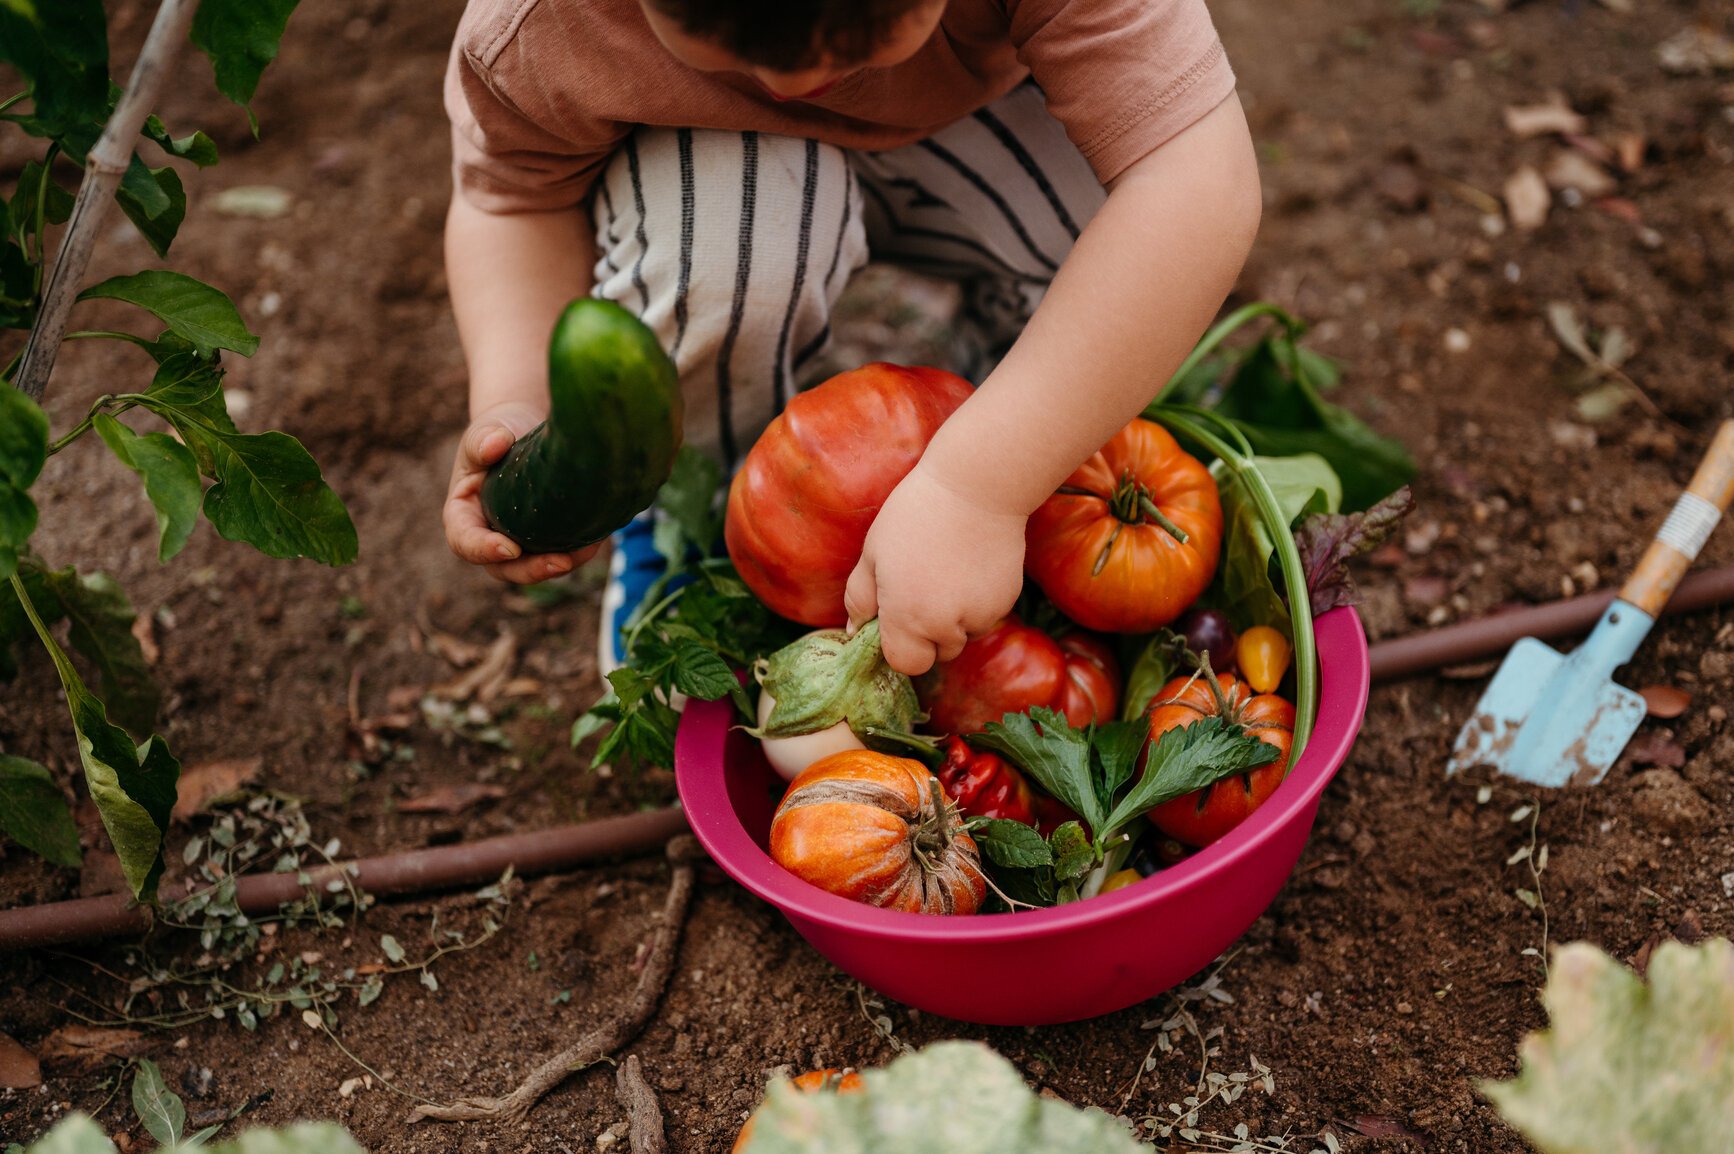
{"x": 786, "y": 35}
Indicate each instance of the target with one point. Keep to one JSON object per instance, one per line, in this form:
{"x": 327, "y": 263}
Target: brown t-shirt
{"x": 541, "y": 91}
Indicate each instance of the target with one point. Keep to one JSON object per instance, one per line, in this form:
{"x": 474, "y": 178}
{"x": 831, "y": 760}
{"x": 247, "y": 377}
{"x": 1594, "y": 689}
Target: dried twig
{"x": 608, "y": 1036}
{"x": 642, "y": 1109}
{"x": 104, "y": 166}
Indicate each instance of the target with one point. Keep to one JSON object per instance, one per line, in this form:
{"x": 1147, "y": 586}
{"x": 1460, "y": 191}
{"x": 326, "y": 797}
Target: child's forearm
{"x": 1140, "y": 286}
{"x": 509, "y": 277}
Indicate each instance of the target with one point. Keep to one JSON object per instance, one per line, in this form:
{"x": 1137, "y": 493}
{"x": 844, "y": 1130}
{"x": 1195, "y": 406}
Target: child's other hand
{"x": 937, "y": 569}
{"x": 486, "y": 440}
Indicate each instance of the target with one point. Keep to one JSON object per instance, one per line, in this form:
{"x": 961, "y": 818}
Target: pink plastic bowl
{"x": 1036, "y": 966}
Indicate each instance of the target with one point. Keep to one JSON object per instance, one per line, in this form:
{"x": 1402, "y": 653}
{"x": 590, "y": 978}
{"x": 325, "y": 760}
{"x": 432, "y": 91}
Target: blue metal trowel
{"x": 1554, "y": 719}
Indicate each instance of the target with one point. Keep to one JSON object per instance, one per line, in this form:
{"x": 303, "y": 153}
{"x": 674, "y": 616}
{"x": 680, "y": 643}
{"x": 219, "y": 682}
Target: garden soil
{"x": 1397, "y": 969}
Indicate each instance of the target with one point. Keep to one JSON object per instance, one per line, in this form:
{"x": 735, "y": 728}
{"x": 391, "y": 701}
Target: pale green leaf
{"x": 157, "y": 1106}
{"x": 171, "y": 479}
{"x": 191, "y": 309}
{"x": 393, "y": 951}
{"x": 75, "y": 1134}
{"x": 950, "y": 1098}
{"x": 33, "y": 811}
{"x": 1627, "y": 1067}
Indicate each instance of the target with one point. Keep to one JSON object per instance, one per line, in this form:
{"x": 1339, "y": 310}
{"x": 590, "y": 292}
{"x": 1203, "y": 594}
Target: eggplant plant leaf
{"x": 23, "y": 450}
{"x": 1625, "y": 1066}
{"x": 202, "y": 315}
{"x": 101, "y": 620}
{"x": 241, "y": 38}
{"x": 949, "y": 1098}
{"x": 60, "y": 47}
{"x": 34, "y": 814}
{"x": 170, "y": 474}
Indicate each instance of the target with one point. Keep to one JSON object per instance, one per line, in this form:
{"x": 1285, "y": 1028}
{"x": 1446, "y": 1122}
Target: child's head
{"x": 793, "y": 46}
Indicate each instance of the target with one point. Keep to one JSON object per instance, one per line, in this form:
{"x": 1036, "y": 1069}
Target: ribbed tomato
{"x": 801, "y": 505}
{"x": 1014, "y": 666}
{"x": 878, "y": 829}
{"x": 1200, "y": 817}
{"x": 829, "y": 1080}
{"x": 1104, "y": 547}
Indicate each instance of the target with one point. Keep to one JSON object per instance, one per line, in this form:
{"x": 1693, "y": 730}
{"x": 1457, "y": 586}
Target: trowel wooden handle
{"x": 1687, "y": 528}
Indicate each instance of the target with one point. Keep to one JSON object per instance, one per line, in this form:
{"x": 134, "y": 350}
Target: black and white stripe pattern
{"x": 733, "y": 246}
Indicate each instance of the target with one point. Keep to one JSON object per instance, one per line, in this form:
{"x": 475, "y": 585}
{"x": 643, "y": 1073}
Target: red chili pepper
{"x": 985, "y": 784}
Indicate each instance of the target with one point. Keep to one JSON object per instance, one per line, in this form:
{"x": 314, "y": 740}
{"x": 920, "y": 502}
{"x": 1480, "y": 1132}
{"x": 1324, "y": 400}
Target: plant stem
{"x": 1220, "y": 332}
{"x": 107, "y": 335}
{"x": 85, "y": 425}
{"x": 104, "y": 167}
{"x": 11, "y": 100}
{"x": 39, "y": 237}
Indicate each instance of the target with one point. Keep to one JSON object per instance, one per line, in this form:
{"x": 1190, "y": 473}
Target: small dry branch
{"x": 643, "y": 1111}
{"x": 609, "y": 1035}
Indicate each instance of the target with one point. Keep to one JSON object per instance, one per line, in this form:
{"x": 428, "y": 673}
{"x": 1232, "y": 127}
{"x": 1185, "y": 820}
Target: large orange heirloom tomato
{"x": 801, "y": 505}
{"x": 1013, "y": 667}
{"x": 1131, "y": 539}
{"x": 878, "y": 829}
{"x": 826, "y": 1081}
{"x": 1200, "y": 817}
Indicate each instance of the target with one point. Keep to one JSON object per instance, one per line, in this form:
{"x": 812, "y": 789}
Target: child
{"x": 739, "y": 159}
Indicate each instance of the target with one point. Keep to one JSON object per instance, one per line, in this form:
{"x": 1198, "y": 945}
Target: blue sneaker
{"x": 634, "y": 566}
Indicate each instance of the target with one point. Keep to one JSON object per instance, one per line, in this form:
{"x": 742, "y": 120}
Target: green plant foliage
{"x": 157, "y": 1106}
{"x": 33, "y": 813}
{"x": 60, "y": 47}
{"x": 1303, "y": 485}
{"x": 170, "y": 474}
{"x": 101, "y": 618}
{"x": 241, "y": 38}
{"x": 23, "y": 450}
{"x": 194, "y": 311}
{"x": 1625, "y": 1067}
{"x": 79, "y": 1135}
{"x": 950, "y": 1098}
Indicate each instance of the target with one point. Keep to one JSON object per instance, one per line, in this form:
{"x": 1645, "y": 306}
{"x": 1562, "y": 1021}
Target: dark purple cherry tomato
{"x": 1207, "y": 631}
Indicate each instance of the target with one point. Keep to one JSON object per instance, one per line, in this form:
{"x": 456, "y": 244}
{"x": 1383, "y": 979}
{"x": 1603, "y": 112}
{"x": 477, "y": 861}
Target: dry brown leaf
{"x": 144, "y": 629}
{"x": 522, "y": 687}
{"x": 1629, "y": 148}
{"x": 209, "y": 780}
{"x": 484, "y": 682}
{"x": 455, "y": 650}
{"x": 1527, "y": 199}
{"x": 1665, "y": 701}
{"x": 1572, "y": 169}
{"x": 89, "y": 1046}
{"x": 1654, "y": 747}
{"x": 1552, "y": 116}
{"x": 451, "y": 798}
{"x": 19, "y": 1069}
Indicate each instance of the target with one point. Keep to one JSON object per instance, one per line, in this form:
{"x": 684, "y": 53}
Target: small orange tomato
{"x": 1119, "y": 880}
{"x": 1262, "y": 656}
{"x": 829, "y": 1080}
{"x": 878, "y": 829}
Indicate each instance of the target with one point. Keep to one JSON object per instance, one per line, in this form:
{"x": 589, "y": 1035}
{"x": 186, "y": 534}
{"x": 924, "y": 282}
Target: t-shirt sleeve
{"x": 513, "y": 148}
{"x": 1123, "y": 76}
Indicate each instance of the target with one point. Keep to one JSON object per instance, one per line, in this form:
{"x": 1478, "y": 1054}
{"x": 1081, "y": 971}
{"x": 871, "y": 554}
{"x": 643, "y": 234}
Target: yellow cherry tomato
{"x": 1120, "y": 880}
{"x": 1262, "y": 655}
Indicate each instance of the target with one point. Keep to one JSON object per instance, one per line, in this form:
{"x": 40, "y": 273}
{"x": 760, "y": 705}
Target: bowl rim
{"x": 1344, "y": 683}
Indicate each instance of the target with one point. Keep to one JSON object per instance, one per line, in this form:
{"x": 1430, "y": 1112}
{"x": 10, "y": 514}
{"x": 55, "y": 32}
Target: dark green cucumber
{"x": 609, "y": 441}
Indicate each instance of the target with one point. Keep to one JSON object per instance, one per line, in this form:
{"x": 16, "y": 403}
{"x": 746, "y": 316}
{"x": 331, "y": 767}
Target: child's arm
{"x": 944, "y": 559}
{"x": 510, "y": 275}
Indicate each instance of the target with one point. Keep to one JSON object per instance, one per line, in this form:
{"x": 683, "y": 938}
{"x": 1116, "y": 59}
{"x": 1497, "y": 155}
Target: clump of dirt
{"x": 1399, "y": 966}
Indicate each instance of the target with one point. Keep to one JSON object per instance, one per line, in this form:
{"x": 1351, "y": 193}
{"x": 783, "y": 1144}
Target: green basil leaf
{"x": 198, "y": 148}
{"x": 23, "y": 449}
{"x": 699, "y": 672}
{"x": 102, "y": 619}
{"x": 157, "y": 1106}
{"x": 170, "y": 474}
{"x": 241, "y": 38}
{"x": 1012, "y": 844}
{"x": 1188, "y": 758}
{"x": 1045, "y": 746}
{"x": 60, "y": 47}
{"x": 192, "y": 309}
{"x": 34, "y": 814}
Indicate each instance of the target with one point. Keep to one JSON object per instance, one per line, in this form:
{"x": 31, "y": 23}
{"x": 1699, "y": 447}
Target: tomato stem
{"x": 1158, "y": 516}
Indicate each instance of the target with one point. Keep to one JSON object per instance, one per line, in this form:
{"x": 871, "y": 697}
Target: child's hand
{"x": 486, "y": 441}
{"x": 937, "y": 569}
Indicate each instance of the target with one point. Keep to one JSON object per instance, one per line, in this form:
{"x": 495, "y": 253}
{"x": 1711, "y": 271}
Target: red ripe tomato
{"x": 1015, "y": 666}
{"x": 878, "y": 829}
{"x": 1098, "y": 547}
{"x": 1200, "y": 817}
{"x": 801, "y": 505}
{"x": 827, "y": 1081}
